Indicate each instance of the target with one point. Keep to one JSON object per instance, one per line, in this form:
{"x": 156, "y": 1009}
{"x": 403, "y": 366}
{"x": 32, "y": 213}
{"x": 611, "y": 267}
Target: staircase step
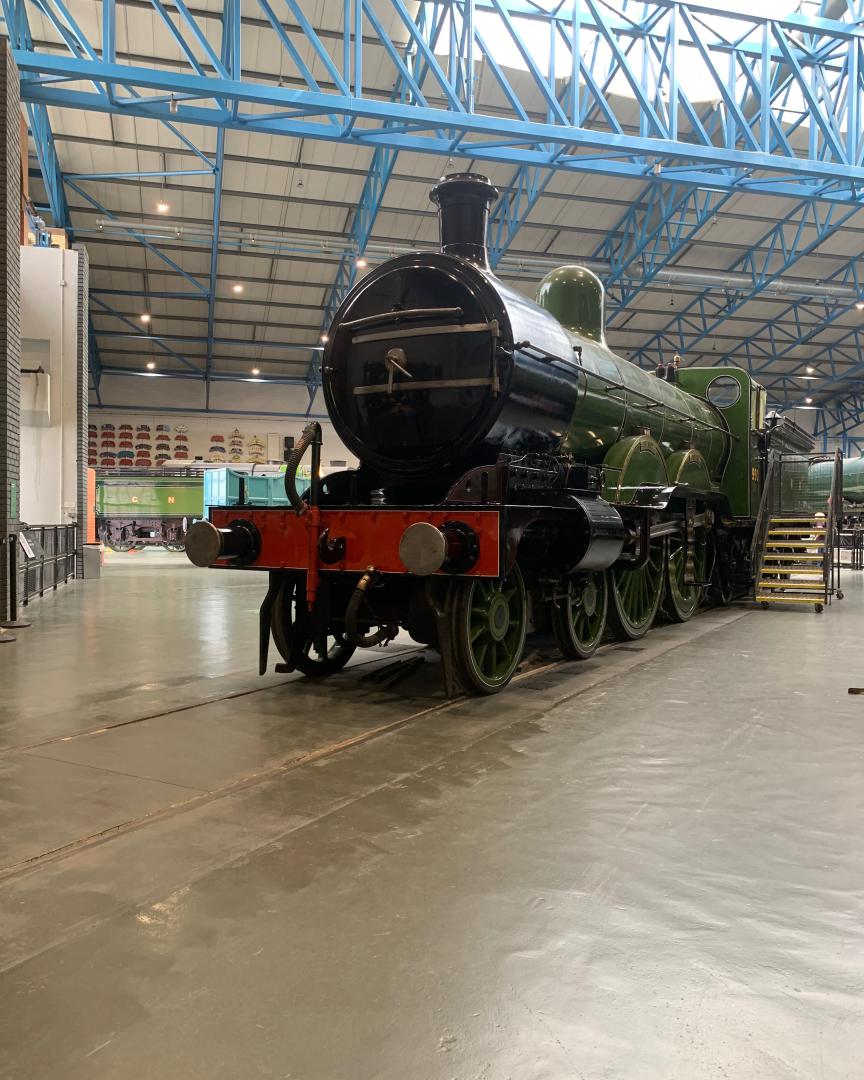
{"x": 788, "y": 570}
{"x": 800, "y": 586}
{"x": 794, "y": 558}
{"x": 788, "y": 600}
{"x": 792, "y": 543}
{"x": 796, "y": 532}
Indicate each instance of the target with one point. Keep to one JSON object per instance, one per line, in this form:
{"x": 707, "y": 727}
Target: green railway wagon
{"x": 147, "y": 508}
{"x": 819, "y": 480}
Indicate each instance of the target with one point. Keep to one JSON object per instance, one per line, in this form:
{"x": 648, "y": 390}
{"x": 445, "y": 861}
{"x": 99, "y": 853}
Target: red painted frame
{"x": 371, "y": 536}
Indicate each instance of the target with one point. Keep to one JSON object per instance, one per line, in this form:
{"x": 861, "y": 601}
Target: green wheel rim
{"x": 636, "y": 593}
{"x": 682, "y": 600}
{"x": 491, "y": 622}
{"x": 579, "y": 617}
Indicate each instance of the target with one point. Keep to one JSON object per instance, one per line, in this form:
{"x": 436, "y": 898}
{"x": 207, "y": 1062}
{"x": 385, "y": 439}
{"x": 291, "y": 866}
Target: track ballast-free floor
{"x": 648, "y": 865}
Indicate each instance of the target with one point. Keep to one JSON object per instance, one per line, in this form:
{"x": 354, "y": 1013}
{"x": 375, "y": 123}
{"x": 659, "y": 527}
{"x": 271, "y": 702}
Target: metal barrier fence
{"x": 41, "y": 558}
{"x": 851, "y": 543}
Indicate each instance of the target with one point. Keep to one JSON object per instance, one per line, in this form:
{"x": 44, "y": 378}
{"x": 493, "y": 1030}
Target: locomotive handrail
{"x": 762, "y": 516}
{"x": 432, "y": 331}
{"x": 493, "y": 380}
{"x": 398, "y": 316}
{"x": 612, "y": 385}
{"x": 425, "y": 384}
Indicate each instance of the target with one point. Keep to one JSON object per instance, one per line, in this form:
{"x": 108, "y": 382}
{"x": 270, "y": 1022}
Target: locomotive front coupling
{"x": 425, "y": 548}
{"x": 238, "y": 543}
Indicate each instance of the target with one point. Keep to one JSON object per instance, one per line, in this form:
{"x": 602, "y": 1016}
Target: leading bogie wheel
{"x": 315, "y": 657}
{"x": 579, "y": 615}
{"x": 490, "y": 619}
{"x": 635, "y": 594}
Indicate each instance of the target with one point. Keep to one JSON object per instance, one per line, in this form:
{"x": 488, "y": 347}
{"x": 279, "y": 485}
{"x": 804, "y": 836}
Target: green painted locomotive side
{"x": 741, "y": 477}
{"x": 620, "y": 400}
{"x": 620, "y": 404}
{"x": 149, "y": 496}
{"x": 820, "y": 474}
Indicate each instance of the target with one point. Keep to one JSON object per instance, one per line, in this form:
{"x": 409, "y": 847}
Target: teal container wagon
{"x": 233, "y": 487}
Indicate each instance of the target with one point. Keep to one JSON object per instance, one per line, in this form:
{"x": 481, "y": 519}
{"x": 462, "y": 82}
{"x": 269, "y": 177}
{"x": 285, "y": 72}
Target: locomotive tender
{"x": 515, "y": 473}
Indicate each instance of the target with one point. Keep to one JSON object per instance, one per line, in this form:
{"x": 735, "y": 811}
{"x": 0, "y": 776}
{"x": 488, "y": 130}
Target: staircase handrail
{"x": 757, "y": 547}
{"x": 830, "y": 524}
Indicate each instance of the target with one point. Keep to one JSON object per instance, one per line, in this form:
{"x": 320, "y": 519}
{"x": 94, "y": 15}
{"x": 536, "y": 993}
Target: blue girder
{"x": 46, "y": 153}
{"x": 771, "y": 256}
{"x": 408, "y": 88}
{"x": 784, "y": 119}
{"x": 801, "y": 323}
{"x": 651, "y": 235}
{"x": 738, "y": 149}
{"x": 836, "y": 421}
{"x": 379, "y": 174}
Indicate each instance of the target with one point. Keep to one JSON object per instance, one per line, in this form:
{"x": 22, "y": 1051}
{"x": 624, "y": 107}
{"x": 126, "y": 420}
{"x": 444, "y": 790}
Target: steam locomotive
{"x": 516, "y": 475}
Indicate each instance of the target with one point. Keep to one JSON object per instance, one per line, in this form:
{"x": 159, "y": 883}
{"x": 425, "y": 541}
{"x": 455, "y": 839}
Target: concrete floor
{"x": 645, "y": 866}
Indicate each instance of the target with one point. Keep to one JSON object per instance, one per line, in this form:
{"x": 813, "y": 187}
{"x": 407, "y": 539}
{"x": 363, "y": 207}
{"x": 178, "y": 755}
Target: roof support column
{"x": 10, "y": 314}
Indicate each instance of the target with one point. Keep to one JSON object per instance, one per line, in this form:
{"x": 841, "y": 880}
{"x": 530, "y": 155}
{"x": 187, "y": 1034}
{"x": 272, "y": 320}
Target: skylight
{"x": 517, "y": 39}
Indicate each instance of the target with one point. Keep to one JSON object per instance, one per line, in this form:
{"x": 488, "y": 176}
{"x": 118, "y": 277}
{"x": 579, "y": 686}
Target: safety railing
{"x": 41, "y": 557}
{"x": 832, "y": 539}
{"x": 807, "y": 485}
{"x": 850, "y": 542}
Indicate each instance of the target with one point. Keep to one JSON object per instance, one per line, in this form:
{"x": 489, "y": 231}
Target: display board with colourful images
{"x": 145, "y": 445}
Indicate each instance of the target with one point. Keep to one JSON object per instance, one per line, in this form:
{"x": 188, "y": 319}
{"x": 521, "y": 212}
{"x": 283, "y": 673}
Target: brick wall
{"x": 10, "y": 306}
{"x": 82, "y": 365}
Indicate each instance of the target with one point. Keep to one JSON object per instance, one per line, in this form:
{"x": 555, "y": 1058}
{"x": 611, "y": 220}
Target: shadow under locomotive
{"x": 516, "y": 475}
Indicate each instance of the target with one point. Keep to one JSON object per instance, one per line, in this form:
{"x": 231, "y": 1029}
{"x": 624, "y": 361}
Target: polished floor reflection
{"x": 646, "y": 866}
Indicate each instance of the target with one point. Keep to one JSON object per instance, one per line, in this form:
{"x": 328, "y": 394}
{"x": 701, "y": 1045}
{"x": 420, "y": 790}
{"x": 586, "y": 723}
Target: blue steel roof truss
{"x": 747, "y": 141}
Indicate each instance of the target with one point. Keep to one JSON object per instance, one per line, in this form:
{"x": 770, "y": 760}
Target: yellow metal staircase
{"x": 794, "y": 564}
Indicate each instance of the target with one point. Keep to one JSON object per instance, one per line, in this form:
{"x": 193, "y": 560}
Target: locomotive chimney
{"x": 463, "y": 201}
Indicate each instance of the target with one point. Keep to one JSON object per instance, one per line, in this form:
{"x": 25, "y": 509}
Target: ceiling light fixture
{"x": 361, "y": 262}
{"x": 325, "y": 338}
{"x": 162, "y": 206}
{"x": 145, "y": 318}
{"x": 808, "y": 400}
{"x": 860, "y": 305}
{"x": 256, "y": 371}
{"x": 809, "y": 370}
{"x": 237, "y": 288}
{"x": 151, "y": 366}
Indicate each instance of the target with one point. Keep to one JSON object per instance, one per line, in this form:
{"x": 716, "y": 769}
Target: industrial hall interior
{"x": 431, "y": 539}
